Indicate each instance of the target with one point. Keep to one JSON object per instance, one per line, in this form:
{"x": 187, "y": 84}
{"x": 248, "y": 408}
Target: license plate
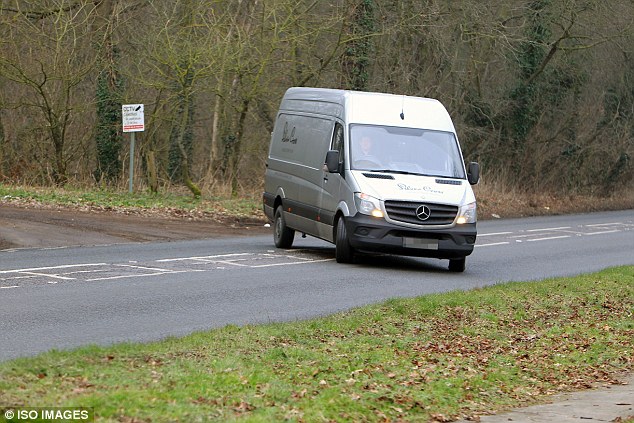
{"x": 422, "y": 243}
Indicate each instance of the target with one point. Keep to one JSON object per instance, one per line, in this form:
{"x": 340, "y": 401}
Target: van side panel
{"x": 297, "y": 152}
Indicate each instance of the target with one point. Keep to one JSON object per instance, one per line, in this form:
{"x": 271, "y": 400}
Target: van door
{"x": 331, "y": 187}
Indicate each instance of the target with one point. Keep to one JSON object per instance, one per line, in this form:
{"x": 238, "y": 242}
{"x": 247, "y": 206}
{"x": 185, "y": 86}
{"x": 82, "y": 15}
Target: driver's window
{"x": 337, "y": 140}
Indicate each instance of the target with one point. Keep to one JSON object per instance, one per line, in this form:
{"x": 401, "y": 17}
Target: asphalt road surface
{"x": 67, "y": 297}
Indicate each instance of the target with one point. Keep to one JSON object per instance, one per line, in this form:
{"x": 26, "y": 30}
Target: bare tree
{"x": 47, "y": 54}
{"x": 109, "y": 93}
{"x": 179, "y": 53}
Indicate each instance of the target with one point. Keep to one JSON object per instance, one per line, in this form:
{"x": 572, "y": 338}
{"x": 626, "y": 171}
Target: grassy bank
{"x": 166, "y": 204}
{"x": 437, "y": 357}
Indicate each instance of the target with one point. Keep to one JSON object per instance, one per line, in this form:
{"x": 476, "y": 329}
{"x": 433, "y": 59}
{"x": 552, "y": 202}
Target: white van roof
{"x": 372, "y": 108}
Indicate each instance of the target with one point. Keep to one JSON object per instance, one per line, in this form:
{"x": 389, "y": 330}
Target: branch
{"x": 35, "y": 15}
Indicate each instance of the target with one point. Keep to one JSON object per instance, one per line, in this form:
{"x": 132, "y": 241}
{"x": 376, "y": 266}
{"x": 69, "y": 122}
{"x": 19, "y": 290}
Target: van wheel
{"x": 457, "y": 265}
{"x": 282, "y": 234}
{"x": 344, "y": 253}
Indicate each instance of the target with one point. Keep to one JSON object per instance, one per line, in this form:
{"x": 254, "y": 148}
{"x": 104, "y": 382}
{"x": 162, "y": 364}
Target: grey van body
{"x": 409, "y": 195}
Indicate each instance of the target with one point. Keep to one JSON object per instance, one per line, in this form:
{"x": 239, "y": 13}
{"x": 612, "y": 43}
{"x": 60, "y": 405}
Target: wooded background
{"x": 541, "y": 91}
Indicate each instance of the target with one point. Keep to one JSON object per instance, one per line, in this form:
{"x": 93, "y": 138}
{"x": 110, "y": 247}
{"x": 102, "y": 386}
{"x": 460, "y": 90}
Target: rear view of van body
{"x": 370, "y": 172}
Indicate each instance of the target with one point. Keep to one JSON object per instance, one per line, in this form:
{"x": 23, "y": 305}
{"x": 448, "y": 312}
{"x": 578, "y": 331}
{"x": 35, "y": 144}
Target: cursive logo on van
{"x": 432, "y": 190}
{"x": 286, "y": 138}
{"x": 427, "y": 189}
{"x": 406, "y": 187}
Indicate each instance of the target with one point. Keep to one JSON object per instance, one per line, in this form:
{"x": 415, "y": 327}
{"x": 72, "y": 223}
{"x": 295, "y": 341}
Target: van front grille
{"x": 421, "y": 213}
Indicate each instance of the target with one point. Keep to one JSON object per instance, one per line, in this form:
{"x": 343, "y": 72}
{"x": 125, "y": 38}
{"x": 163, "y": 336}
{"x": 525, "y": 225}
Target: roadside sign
{"x": 133, "y": 118}
{"x": 133, "y": 121}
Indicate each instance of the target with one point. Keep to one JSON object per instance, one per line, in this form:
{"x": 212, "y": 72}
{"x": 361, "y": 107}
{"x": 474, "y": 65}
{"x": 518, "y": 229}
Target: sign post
{"x": 133, "y": 121}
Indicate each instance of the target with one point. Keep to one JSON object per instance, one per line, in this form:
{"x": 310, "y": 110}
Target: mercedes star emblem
{"x": 423, "y": 212}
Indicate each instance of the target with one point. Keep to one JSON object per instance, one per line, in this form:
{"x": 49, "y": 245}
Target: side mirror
{"x": 332, "y": 162}
{"x": 473, "y": 173}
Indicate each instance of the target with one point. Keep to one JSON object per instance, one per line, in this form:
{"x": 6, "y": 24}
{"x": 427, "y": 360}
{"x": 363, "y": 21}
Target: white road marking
{"x": 204, "y": 258}
{"x": 548, "y": 238}
{"x": 604, "y": 224}
{"x": 9, "y": 287}
{"x": 17, "y": 277}
{"x": 48, "y": 275}
{"x": 157, "y": 269}
{"x": 548, "y": 229}
{"x": 232, "y": 263}
{"x": 291, "y": 264}
{"x": 521, "y": 236}
{"x": 141, "y": 275}
{"x": 66, "y": 266}
{"x": 492, "y": 244}
{"x": 494, "y": 234}
{"x": 602, "y": 232}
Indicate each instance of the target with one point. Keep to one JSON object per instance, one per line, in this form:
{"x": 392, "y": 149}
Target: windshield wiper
{"x": 400, "y": 172}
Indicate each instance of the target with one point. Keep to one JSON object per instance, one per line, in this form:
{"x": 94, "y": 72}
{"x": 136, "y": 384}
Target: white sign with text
{"x": 133, "y": 118}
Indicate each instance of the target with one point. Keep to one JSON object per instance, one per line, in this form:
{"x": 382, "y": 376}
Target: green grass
{"x": 249, "y": 206}
{"x": 437, "y": 357}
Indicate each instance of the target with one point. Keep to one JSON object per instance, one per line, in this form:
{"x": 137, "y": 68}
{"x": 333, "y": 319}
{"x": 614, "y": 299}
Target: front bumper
{"x": 370, "y": 234}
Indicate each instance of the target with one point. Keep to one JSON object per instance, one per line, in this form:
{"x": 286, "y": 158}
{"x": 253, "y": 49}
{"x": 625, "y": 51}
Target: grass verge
{"x": 433, "y": 358}
{"x": 168, "y": 203}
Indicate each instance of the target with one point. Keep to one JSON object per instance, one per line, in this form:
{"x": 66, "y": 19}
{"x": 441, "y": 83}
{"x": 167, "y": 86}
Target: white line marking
{"x": 16, "y": 277}
{"x": 547, "y": 229}
{"x": 546, "y": 239}
{"x": 139, "y": 276}
{"x": 46, "y": 275}
{"x": 492, "y": 244}
{"x": 295, "y": 258}
{"x": 494, "y": 233}
{"x": 605, "y": 224}
{"x": 205, "y": 257}
{"x": 9, "y": 287}
{"x": 231, "y": 263}
{"x": 290, "y": 264}
{"x": 157, "y": 269}
{"x": 602, "y": 232}
{"x": 34, "y": 269}
{"x": 277, "y": 257}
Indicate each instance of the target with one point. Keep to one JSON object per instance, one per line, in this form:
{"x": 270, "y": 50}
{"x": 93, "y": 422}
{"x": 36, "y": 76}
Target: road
{"x": 67, "y": 297}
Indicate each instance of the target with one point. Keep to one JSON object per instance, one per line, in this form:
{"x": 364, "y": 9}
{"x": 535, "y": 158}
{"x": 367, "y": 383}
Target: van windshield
{"x": 405, "y": 150}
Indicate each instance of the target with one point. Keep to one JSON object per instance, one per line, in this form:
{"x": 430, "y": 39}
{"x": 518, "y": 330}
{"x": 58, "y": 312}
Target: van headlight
{"x": 467, "y": 214}
{"x": 367, "y": 204}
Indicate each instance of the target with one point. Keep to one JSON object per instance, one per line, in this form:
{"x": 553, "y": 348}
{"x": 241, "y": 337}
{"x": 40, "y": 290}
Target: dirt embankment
{"x": 55, "y": 227}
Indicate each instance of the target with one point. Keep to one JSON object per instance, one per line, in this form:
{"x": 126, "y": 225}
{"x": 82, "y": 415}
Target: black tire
{"x": 344, "y": 253}
{"x": 282, "y": 235}
{"x": 457, "y": 265}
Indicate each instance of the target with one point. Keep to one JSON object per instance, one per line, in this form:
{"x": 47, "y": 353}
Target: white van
{"x": 370, "y": 172}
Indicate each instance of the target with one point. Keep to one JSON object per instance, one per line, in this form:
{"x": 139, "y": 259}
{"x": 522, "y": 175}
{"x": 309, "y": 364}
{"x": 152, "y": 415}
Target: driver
{"x": 366, "y": 145}
{"x": 368, "y": 151}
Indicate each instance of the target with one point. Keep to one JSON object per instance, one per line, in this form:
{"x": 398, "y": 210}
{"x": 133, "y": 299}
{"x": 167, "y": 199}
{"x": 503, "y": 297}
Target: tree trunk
{"x": 181, "y": 146}
{"x": 235, "y": 159}
{"x": 152, "y": 173}
{"x": 2, "y": 145}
